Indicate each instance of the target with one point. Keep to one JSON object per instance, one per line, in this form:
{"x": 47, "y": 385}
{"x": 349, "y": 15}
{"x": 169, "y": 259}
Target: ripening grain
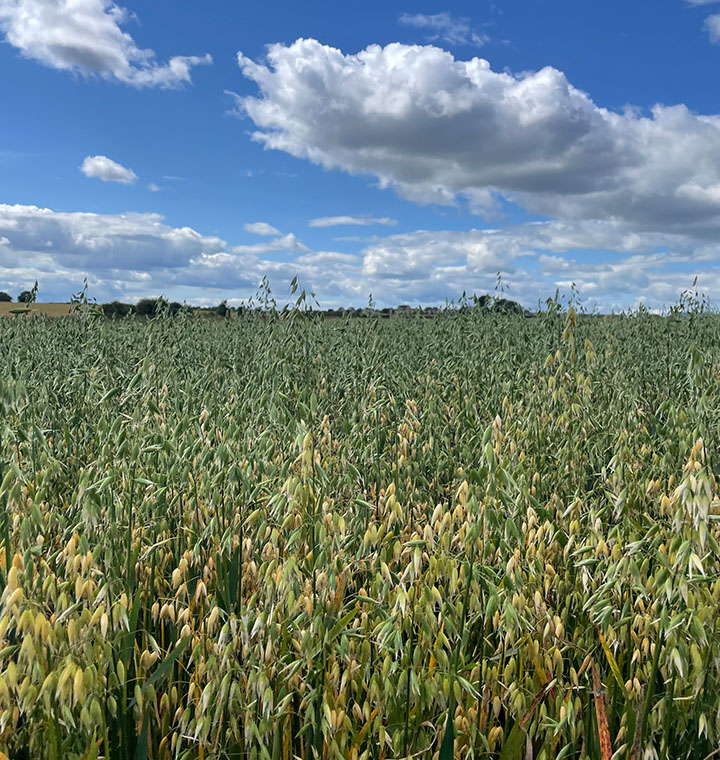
{"x": 278, "y": 537}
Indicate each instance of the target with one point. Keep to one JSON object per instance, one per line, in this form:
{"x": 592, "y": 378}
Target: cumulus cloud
{"x": 536, "y": 258}
{"x": 261, "y": 228}
{"x": 360, "y": 221}
{"x": 104, "y": 168}
{"x": 437, "y": 129}
{"x": 133, "y": 255}
{"x": 127, "y": 256}
{"x": 85, "y": 37}
{"x": 416, "y": 255}
{"x": 101, "y": 242}
{"x": 445, "y": 27}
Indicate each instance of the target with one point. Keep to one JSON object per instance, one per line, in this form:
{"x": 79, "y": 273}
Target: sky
{"x": 405, "y": 152}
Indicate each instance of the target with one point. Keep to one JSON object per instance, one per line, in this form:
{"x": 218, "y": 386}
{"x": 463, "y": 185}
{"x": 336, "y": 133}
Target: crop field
{"x": 9, "y": 309}
{"x": 276, "y": 537}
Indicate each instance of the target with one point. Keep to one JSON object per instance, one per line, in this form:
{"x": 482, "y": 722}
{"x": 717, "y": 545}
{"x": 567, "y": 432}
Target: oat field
{"x": 276, "y": 537}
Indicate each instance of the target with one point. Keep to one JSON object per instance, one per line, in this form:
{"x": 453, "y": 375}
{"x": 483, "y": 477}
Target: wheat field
{"x": 10, "y": 309}
{"x": 276, "y": 537}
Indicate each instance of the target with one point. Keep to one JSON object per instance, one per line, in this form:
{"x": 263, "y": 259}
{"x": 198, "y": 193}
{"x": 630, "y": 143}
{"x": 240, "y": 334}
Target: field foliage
{"x": 478, "y": 536}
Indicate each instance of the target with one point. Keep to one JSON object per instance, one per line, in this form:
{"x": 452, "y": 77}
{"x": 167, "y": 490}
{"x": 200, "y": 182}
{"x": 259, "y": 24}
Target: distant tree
{"x": 146, "y": 307}
{"x": 506, "y": 306}
{"x": 221, "y": 309}
{"x": 117, "y": 309}
{"x": 5, "y": 297}
{"x": 150, "y": 307}
{"x": 29, "y": 296}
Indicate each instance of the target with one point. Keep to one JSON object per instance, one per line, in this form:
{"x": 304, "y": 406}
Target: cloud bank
{"x": 128, "y": 256}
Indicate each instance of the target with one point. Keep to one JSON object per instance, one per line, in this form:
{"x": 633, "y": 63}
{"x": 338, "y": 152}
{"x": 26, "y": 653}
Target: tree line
{"x": 151, "y": 307}
{"x": 24, "y": 297}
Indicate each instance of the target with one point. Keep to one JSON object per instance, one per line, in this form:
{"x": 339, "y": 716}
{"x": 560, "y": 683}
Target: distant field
{"x": 51, "y": 309}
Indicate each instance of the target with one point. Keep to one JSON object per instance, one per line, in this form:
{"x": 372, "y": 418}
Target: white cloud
{"x": 712, "y": 24}
{"x": 104, "y": 168}
{"x": 416, "y": 255}
{"x": 445, "y": 27}
{"x": 153, "y": 188}
{"x": 128, "y": 256}
{"x": 551, "y": 264}
{"x": 437, "y": 129}
{"x": 534, "y": 260}
{"x": 284, "y": 243}
{"x": 261, "y": 228}
{"x": 99, "y": 243}
{"x": 361, "y": 221}
{"x": 85, "y": 37}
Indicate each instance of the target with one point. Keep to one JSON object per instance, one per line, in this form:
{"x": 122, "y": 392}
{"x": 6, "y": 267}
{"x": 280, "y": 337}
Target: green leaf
{"x": 141, "y": 748}
{"x": 513, "y": 746}
{"x": 130, "y": 635}
{"x": 613, "y": 665}
{"x": 650, "y": 690}
{"x": 447, "y": 748}
{"x": 233, "y": 582}
{"x": 167, "y": 663}
{"x": 9, "y": 650}
{"x": 112, "y": 392}
{"x": 340, "y": 626}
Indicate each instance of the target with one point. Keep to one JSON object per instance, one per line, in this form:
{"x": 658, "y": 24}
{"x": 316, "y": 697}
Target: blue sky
{"x": 551, "y": 141}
